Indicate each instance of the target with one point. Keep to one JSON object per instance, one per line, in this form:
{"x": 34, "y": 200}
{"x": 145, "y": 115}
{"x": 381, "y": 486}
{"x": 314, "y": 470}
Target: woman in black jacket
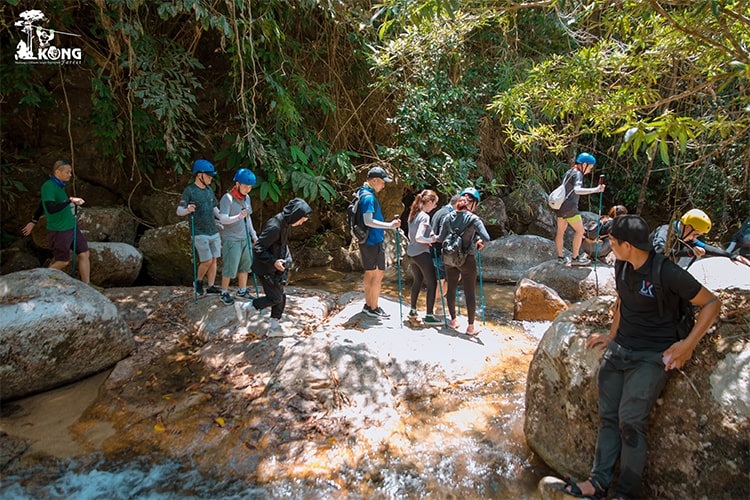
{"x": 271, "y": 263}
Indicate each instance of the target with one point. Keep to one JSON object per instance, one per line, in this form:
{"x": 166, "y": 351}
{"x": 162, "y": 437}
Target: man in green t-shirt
{"x": 61, "y": 221}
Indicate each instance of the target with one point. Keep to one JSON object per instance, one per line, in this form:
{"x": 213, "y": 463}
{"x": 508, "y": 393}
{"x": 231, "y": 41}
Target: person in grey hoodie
{"x": 271, "y": 263}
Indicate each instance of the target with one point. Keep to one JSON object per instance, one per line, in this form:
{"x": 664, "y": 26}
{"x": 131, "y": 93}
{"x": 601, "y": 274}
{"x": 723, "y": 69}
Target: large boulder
{"x": 167, "y": 254}
{"x": 97, "y": 224}
{"x": 492, "y": 212}
{"x": 509, "y": 258}
{"x": 114, "y": 264}
{"x": 55, "y": 330}
{"x": 699, "y": 430}
{"x": 528, "y": 212}
{"x": 114, "y": 224}
{"x": 535, "y": 302}
{"x": 574, "y": 283}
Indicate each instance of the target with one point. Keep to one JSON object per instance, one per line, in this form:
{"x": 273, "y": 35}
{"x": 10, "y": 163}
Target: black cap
{"x": 633, "y": 229}
{"x": 380, "y": 173}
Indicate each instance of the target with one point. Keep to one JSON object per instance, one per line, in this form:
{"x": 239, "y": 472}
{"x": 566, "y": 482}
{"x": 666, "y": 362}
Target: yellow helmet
{"x": 697, "y": 219}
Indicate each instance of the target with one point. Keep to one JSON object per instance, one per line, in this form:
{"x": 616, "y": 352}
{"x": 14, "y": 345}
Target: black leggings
{"x": 275, "y": 297}
{"x": 469, "y": 274}
{"x": 423, "y": 270}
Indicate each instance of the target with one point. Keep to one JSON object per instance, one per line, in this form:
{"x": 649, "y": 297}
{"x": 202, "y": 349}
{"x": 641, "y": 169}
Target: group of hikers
{"x": 642, "y": 348}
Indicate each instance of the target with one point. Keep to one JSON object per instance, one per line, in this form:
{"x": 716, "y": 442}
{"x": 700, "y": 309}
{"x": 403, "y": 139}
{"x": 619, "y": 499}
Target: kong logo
{"x": 36, "y": 44}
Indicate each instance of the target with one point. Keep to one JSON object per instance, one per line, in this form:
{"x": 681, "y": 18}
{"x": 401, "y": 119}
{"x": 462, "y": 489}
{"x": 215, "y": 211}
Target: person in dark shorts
{"x": 568, "y": 215}
{"x": 642, "y": 351}
{"x": 373, "y": 249}
{"x": 61, "y": 222}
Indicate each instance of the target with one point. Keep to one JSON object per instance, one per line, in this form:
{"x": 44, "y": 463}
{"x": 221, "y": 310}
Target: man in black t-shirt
{"x": 642, "y": 348}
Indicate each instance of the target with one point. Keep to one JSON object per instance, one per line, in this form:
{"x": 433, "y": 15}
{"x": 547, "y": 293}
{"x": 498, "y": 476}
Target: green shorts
{"x": 237, "y": 258}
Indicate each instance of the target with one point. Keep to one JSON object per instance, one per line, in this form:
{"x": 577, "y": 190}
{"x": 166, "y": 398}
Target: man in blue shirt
{"x": 373, "y": 249}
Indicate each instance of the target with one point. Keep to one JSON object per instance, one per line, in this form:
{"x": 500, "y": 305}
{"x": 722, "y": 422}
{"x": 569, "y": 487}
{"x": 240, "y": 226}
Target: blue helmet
{"x": 586, "y": 158}
{"x": 245, "y": 176}
{"x": 204, "y": 167}
{"x": 473, "y": 193}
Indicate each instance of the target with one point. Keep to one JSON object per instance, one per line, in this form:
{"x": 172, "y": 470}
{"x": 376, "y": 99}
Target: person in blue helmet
{"x": 568, "y": 213}
{"x": 473, "y": 235}
{"x": 198, "y": 200}
{"x": 234, "y": 214}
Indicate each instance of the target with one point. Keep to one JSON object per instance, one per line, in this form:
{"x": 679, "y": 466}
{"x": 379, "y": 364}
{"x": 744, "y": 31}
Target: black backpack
{"x": 356, "y": 220}
{"x": 685, "y": 310}
{"x": 453, "y": 251}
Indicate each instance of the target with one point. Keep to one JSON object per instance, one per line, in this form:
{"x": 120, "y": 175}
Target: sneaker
{"x": 453, "y": 323}
{"x": 381, "y": 313}
{"x": 213, "y": 289}
{"x": 240, "y": 312}
{"x": 245, "y": 311}
{"x": 275, "y": 329}
{"x": 369, "y": 312}
{"x": 581, "y": 261}
{"x": 199, "y": 291}
{"x": 432, "y": 320}
{"x": 562, "y": 260}
{"x": 413, "y": 313}
{"x": 226, "y": 298}
{"x": 243, "y": 294}
{"x": 472, "y": 331}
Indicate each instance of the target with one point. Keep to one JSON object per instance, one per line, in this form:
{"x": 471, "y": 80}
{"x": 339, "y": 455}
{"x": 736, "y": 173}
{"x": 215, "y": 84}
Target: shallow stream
{"x": 467, "y": 442}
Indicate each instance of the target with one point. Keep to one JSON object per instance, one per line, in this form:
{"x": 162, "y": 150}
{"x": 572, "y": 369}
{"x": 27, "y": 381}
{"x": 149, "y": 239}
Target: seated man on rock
{"x": 643, "y": 348}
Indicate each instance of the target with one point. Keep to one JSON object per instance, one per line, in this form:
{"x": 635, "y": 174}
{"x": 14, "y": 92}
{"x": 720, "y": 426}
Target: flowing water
{"x": 465, "y": 443}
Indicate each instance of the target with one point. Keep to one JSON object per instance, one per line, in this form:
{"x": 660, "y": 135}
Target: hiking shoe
{"x": 275, "y": 329}
{"x": 226, "y": 298}
{"x": 245, "y": 311}
{"x": 562, "y": 260}
{"x": 413, "y": 313}
{"x": 198, "y": 286}
{"x": 213, "y": 289}
{"x": 581, "y": 261}
{"x": 240, "y": 312}
{"x": 369, "y": 312}
{"x": 432, "y": 320}
{"x": 243, "y": 294}
{"x": 381, "y": 313}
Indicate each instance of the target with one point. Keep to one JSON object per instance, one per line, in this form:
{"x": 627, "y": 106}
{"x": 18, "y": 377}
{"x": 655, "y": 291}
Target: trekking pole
{"x": 195, "y": 267}
{"x": 75, "y": 231}
{"x": 481, "y": 286}
{"x": 440, "y": 284}
{"x": 250, "y": 252}
{"x": 598, "y": 228}
{"x": 398, "y": 265}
